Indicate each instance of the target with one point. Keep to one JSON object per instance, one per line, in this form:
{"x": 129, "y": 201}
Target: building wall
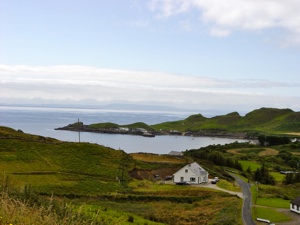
{"x": 295, "y": 208}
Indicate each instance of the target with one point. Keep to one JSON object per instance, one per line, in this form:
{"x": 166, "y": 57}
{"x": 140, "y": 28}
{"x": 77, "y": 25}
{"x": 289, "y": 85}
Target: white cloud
{"x": 78, "y": 83}
{"x": 224, "y": 17}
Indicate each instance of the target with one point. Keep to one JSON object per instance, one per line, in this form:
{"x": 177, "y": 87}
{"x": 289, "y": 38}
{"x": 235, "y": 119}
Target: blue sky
{"x": 234, "y": 55}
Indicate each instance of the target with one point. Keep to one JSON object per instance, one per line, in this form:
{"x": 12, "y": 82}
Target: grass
{"x": 246, "y": 164}
{"x": 265, "y": 120}
{"x": 230, "y": 186}
{"x": 86, "y": 174}
{"x": 14, "y": 210}
{"x": 273, "y": 202}
{"x": 257, "y": 151}
{"x": 277, "y": 176}
{"x": 269, "y": 214}
{"x": 51, "y": 166}
{"x": 294, "y": 133}
{"x": 268, "y": 196}
{"x": 268, "y": 152}
{"x": 210, "y": 210}
{"x": 148, "y": 157}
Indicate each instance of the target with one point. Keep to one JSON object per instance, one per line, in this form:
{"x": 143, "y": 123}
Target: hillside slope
{"x": 268, "y": 120}
{"x": 49, "y": 165}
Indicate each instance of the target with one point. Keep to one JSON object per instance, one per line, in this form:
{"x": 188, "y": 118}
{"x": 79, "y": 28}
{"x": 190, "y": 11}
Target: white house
{"x": 295, "y": 205}
{"x": 192, "y": 173}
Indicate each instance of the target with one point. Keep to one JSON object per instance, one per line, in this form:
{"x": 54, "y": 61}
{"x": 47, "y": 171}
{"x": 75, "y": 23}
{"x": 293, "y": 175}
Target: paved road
{"x": 246, "y": 211}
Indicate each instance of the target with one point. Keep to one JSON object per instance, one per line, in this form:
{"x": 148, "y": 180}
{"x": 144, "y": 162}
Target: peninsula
{"x": 267, "y": 121}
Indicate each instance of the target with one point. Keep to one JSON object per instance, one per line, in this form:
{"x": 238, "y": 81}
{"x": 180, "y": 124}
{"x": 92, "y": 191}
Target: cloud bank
{"x": 70, "y": 84}
{"x": 225, "y": 17}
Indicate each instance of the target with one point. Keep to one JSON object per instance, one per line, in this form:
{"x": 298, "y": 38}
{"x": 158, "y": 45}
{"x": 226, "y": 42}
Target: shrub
{"x": 130, "y": 219}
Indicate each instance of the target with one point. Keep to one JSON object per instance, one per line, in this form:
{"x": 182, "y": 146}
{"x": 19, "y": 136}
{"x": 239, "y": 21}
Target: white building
{"x": 295, "y": 205}
{"x": 192, "y": 173}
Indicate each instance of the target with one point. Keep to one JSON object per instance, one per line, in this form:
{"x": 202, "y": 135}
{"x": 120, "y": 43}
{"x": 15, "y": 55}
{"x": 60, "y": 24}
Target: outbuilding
{"x": 295, "y": 205}
{"x": 192, "y": 173}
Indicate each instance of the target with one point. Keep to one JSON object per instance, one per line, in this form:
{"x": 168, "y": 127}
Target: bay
{"x": 43, "y": 121}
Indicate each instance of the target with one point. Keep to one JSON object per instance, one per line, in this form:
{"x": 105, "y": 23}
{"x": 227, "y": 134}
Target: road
{"x": 246, "y": 211}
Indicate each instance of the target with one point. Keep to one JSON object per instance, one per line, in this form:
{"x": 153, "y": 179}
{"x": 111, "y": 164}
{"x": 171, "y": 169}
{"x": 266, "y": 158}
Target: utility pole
{"x": 78, "y": 130}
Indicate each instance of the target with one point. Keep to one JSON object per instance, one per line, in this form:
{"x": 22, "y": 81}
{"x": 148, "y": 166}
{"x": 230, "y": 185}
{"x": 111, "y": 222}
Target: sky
{"x": 202, "y": 55}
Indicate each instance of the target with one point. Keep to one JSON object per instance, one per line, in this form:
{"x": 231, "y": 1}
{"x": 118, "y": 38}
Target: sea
{"x": 41, "y": 120}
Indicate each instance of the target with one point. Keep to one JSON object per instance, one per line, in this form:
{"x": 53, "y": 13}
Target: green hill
{"x": 50, "y": 165}
{"x": 266, "y": 120}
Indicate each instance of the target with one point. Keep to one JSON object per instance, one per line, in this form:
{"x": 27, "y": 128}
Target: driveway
{"x": 246, "y": 211}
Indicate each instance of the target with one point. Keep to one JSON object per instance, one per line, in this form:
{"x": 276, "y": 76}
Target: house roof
{"x": 296, "y": 201}
{"x": 195, "y": 168}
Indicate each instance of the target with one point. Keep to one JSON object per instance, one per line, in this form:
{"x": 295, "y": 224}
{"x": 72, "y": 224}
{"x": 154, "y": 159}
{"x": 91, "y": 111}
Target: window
{"x": 186, "y": 170}
{"x": 193, "y": 179}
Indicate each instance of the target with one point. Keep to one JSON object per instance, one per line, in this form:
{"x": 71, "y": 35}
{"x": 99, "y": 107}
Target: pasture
{"x": 249, "y": 164}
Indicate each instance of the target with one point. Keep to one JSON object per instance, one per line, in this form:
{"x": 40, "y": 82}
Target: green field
{"x": 246, "y": 164}
{"x": 273, "y": 202}
{"x": 269, "y": 214}
{"x": 230, "y": 186}
{"x": 278, "y": 176}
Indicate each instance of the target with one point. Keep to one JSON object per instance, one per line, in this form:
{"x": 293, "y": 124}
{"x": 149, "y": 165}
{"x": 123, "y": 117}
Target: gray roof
{"x": 196, "y": 168}
{"x": 296, "y": 201}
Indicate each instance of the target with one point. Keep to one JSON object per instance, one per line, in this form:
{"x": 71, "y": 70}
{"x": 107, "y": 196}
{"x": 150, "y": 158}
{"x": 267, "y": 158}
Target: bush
{"x": 130, "y": 219}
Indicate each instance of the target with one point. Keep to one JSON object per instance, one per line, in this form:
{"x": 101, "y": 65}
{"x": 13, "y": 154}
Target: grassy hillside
{"x": 266, "y": 120}
{"x": 60, "y": 167}
{"x": 82, "y": 178}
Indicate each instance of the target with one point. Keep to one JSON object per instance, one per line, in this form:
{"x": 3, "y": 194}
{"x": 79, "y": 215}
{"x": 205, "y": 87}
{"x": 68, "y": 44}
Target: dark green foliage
{"x": 273, "y": 140}
{"x": 292, "y": 178}
{"x": 130, "y": 219}
{"x": 262, "y": 176}
{"x": 291, "y": 160}
{"x": 213, "y": 154}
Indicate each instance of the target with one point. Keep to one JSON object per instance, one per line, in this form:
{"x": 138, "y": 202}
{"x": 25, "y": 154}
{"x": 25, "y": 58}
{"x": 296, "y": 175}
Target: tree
{"x": 262, "y": 176}
{"x": 288, "y": 179}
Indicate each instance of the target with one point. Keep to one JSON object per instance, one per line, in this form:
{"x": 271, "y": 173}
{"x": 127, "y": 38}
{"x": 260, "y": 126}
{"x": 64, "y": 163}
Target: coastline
{"x": 147, "y": 133}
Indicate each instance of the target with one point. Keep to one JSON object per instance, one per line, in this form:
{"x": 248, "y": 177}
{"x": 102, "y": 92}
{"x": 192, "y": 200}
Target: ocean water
{"x": 43, "y": 121}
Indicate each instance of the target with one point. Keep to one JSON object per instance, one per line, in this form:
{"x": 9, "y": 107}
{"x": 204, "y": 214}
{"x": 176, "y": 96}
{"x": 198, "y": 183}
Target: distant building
{"x": 254, "y": 142}
{"x": 175, "y": 153}
{"x": 295, "y": 205}
{"x": 192, "y": 173}
{"x": 124, "y": 129}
